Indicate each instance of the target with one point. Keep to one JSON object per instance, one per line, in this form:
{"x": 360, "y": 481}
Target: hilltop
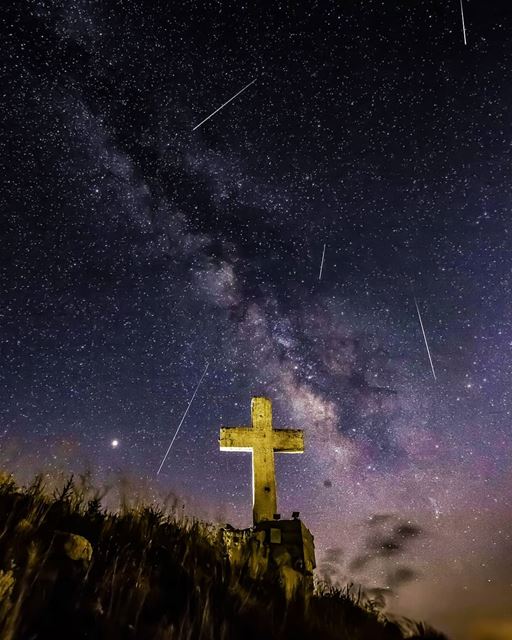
{"x": 71, "y": 569}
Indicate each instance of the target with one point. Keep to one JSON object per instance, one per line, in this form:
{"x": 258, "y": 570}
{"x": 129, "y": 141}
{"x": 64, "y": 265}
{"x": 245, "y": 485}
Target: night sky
{"x": 135, "y": 250}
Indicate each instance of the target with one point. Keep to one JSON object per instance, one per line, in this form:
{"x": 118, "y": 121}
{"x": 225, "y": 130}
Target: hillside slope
{"x": 68, "y": 569}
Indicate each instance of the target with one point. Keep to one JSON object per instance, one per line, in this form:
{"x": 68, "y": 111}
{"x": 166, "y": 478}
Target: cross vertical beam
{"x": 263, "y": 466}
{"x": 262, "y": 440}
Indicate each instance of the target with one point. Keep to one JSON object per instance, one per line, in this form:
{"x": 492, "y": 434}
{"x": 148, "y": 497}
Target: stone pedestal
{"x": 280, "y": 551}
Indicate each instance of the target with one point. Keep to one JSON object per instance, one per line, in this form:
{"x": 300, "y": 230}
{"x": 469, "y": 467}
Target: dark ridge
{"x": 70, "y": 569}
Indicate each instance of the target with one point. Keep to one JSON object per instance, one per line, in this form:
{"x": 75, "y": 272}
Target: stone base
{"x": 275, "y": 550}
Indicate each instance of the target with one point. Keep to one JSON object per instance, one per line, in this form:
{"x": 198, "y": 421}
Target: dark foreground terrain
{"x": 69, "y": 569}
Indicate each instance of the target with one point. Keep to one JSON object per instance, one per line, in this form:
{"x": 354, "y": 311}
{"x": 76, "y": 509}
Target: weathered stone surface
{"x": 76, "y": 547}
{"x": 262, "y": 440}
{"x": 289, "y": 579}
{"x": 287, "y": 559}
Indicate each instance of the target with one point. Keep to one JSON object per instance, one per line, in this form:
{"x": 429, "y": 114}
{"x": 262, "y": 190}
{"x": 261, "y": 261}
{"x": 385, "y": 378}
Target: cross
{"x": 262, "y": 440}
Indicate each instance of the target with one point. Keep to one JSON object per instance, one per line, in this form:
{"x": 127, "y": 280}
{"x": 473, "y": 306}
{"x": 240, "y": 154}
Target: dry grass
{"x": 153, "y": 575}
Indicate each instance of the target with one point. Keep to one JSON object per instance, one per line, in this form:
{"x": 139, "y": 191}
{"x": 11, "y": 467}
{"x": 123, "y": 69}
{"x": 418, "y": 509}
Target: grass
{"x": 151, "y": 575}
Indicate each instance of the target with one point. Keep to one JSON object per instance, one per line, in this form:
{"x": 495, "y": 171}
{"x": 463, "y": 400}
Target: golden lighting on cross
{"x": 262, "y": 440}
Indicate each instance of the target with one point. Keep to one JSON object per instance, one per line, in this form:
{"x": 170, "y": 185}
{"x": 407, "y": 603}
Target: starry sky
{"x": 135, "y": 250}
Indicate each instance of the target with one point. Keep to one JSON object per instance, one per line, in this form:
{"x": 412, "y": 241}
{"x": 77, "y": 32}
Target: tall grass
{"x": 152, "y": 575}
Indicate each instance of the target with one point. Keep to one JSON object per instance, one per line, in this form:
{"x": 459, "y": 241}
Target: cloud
{"x": 387, "y": 538}
{"x": 400, "y": 576}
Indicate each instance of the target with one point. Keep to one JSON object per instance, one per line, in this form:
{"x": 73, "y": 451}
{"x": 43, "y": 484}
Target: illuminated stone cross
{"x": 262, "y": 440}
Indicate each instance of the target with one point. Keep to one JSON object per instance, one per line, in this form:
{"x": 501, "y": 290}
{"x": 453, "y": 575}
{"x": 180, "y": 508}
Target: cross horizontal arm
{"x": 236, "y": 438}
{"x": 288, "y": 440}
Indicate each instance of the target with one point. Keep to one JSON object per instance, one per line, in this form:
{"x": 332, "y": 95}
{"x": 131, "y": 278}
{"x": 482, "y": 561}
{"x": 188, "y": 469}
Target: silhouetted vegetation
{"x": 70, "y": 569}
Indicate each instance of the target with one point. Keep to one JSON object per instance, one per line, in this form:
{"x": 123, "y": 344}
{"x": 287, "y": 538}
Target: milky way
{"x": 135, "y": 250}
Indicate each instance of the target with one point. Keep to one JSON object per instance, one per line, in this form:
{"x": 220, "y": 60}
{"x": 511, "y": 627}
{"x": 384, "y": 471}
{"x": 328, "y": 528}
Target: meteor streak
{"x": 463, "y": 23}
{"x": 182, "y": 419}
{"x": 223, "y": 105}
{"x": 425, "y": 338}
{"x": 322, "y": 264}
